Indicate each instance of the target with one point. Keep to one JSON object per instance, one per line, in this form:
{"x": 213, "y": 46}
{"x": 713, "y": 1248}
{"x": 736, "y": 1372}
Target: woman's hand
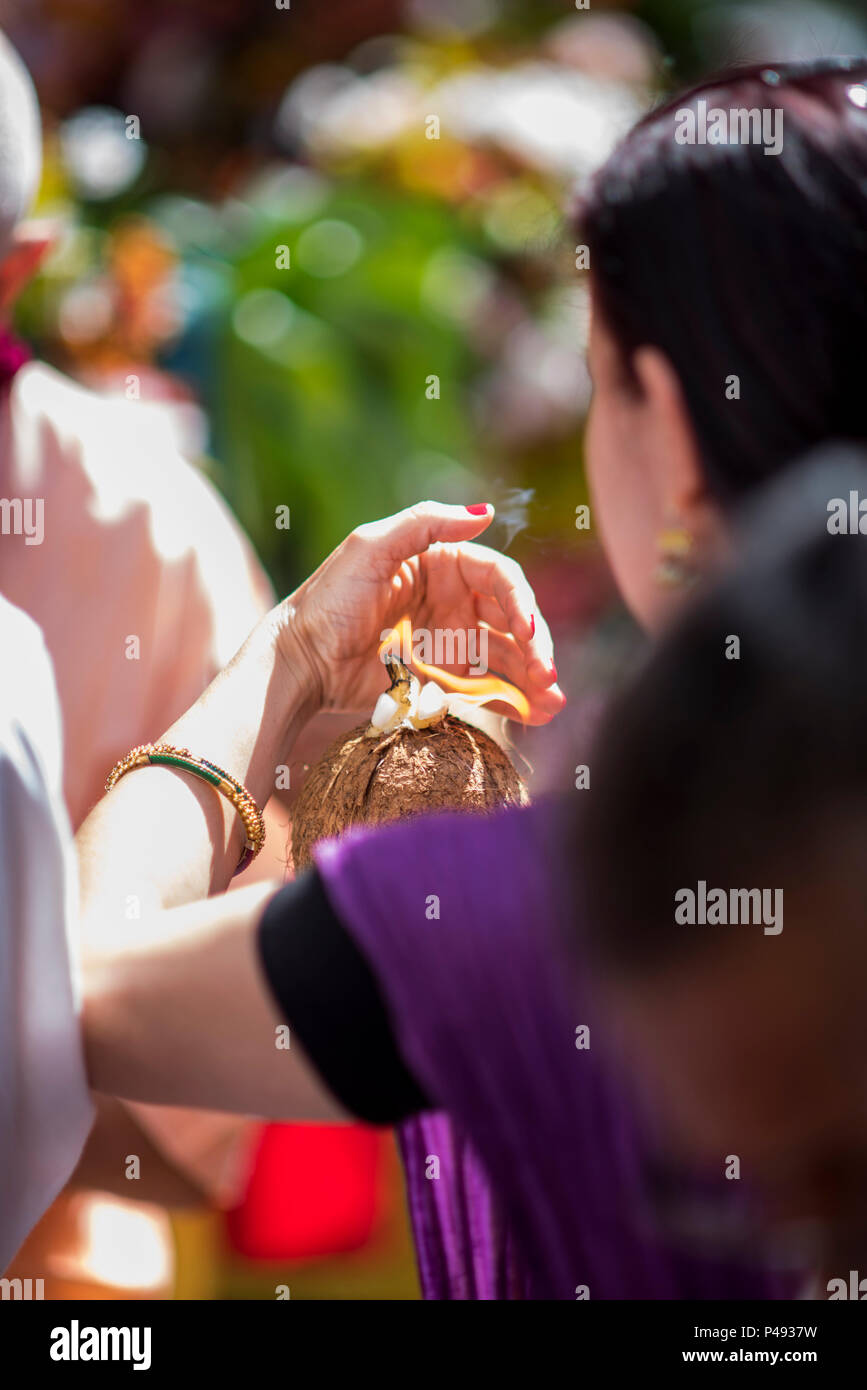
{"x": 166, "y": 838}
{"x": 420, "y": 563}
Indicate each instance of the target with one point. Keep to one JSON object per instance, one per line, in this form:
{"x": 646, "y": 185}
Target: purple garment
{"x": 541, "y": 1153}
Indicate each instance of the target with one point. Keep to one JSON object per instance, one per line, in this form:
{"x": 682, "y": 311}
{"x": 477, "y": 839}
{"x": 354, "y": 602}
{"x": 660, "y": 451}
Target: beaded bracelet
{"x": 167, "y": 755}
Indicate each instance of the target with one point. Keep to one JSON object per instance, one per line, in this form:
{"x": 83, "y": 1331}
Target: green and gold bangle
{"x": 167, "y": 755}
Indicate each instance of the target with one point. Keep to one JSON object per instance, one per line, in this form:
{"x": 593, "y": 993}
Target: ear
{"x": 30, "y": 244}
{"x": 673, "y": 454}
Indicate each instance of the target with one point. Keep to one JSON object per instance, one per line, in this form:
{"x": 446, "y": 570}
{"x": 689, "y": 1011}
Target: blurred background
{"x": 331, "y": 239}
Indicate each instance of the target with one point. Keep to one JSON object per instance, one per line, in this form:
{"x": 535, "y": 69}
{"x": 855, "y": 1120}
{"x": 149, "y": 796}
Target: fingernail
{"x": 532, "y": 624}
{"x": 554, "y": 670}
{"x": 478, "y": 509}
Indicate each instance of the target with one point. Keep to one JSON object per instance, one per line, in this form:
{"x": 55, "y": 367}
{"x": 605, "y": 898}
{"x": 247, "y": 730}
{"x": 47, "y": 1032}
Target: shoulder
{"x": 111, "y": 468}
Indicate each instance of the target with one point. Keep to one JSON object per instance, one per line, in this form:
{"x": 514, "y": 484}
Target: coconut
{"x": 408, "y": 761}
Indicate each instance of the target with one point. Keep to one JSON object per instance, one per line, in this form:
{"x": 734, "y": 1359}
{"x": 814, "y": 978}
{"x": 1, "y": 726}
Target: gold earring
{"x": 674, "y": 568}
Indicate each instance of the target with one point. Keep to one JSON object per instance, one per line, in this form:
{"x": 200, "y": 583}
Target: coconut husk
{"x": 364, "y": 780}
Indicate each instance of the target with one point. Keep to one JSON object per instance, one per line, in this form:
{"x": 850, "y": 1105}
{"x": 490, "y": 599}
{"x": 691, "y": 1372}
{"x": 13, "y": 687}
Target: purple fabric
{"x": 541, "y": 1155}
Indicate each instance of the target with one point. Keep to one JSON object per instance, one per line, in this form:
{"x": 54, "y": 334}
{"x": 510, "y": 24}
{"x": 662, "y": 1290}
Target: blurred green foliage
{"x": 407, "y": 259}
{"x": 332, "y": 418}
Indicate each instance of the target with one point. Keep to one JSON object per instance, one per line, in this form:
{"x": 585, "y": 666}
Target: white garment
{"x": 135, "y": 543}
{"x": 45, "y": 1109}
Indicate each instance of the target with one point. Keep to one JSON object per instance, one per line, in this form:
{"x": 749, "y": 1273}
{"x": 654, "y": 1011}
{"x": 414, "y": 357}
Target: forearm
{"x": 162, "y": 837}
{"x": 176, "y": 1009}
{"x": 179, "y": 1013}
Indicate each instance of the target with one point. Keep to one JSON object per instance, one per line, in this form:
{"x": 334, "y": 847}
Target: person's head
{"x": 22, "y": 245}
{"x": 729, "y": 297}
{"x": 724, "y": 846}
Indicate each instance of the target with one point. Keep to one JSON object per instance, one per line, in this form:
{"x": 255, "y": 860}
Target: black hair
{"x": 736, "y": 262}
{"x": 721, "y": 762}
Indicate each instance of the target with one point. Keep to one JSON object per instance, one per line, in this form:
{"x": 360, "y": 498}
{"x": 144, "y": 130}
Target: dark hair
{"x": 732, "y": 261}
{"x": 722, "y": 769}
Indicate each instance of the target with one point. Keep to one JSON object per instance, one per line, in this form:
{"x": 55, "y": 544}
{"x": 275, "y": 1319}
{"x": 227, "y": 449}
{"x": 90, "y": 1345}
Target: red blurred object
{"x": 314, "y": 1191}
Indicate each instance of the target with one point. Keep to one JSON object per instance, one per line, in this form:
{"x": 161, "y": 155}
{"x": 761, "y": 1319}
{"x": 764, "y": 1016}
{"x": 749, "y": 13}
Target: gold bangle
{"x": 167, "y": 755}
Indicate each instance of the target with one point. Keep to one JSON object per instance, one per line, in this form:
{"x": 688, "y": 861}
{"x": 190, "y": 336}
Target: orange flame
{"x": 475, "y": 690}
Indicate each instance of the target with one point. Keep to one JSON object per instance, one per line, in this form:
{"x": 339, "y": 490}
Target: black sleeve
{"x": 327, "y": 993}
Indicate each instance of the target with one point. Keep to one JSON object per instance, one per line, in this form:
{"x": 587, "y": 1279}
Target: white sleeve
{"x": 45, "y": 1108}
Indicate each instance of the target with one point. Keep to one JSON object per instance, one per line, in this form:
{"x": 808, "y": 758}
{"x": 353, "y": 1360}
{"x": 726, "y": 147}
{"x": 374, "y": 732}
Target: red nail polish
{"x": 532, "y": 624}
{"x": 478, "y": 509}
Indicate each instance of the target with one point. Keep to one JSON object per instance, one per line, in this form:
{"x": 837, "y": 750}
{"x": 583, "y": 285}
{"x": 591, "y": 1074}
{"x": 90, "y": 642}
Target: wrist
{"x": 249, "y": 717}
{"x": 295, "y": 661}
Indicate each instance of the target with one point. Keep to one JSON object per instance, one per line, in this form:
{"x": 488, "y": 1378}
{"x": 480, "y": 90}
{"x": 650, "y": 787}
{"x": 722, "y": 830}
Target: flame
{"x": 475, "y": 690}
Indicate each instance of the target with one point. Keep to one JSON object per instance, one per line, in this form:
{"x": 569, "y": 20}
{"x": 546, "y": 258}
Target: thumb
{"x": 410, "y": 532}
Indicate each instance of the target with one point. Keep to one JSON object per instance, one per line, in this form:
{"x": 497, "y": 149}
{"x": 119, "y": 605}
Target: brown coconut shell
{"x": 364, "y": 780}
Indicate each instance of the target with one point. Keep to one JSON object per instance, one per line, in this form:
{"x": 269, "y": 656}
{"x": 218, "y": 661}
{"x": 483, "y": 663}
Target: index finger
{"x": 490, "y": 572}
{"x": 498, "y": 577}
